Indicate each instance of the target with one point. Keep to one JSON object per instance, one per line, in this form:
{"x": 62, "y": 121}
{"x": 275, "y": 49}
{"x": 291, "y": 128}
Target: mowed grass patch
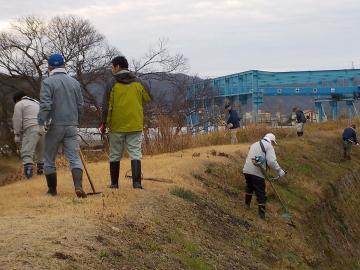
{"x": 185, "y": 194}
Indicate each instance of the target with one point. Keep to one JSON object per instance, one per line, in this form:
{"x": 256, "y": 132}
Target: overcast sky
{"x": 221, "y": 37}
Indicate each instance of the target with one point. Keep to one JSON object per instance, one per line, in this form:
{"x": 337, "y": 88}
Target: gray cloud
{"x": 221, "y": 37}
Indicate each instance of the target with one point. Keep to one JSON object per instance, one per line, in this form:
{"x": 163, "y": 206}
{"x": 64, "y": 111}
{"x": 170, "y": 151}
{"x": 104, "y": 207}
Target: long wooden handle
{"x": 86, "y": 171}
{"x": 277, "y": 194}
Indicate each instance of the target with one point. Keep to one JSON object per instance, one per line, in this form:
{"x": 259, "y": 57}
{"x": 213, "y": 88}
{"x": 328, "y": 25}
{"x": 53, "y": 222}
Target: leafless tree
{"x": 23, "y": 51}
{"x": 201, "y": 101}
{"x": 85, "y": 51}
{"x": 25, "y": 48}
{"x": 158, "y": 63}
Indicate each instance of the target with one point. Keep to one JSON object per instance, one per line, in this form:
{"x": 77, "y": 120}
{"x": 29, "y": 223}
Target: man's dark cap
{"x": 18, "y": 95}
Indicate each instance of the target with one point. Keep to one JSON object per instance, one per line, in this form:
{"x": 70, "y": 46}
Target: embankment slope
{"x": 193, "y": 216}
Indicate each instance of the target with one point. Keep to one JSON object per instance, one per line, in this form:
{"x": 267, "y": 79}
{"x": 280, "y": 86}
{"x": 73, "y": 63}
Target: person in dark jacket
{"x": 349, "y": 137}
{"x": 300, "y": 121}
{"x": 233, "y": 123}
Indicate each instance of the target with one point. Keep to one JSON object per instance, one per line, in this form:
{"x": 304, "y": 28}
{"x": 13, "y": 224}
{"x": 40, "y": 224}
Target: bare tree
{"x": 85, "y": 51}
{"x": 201, "y": 102}
{"x": 25, "y": 48}
{"x": 158, "y": 63}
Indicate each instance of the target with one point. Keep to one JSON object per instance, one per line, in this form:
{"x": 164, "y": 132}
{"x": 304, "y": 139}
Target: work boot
{"x": 114, "y": 174}
{"x": 248, "y": 200}
{"x": 77, "y": 178}
{"x": 40, "y": 168}
{"x": 28, "y": 170}
{"x": 136, "y": 173}
{"x": 51, "y": 180}
{"x": 262, "y": 211}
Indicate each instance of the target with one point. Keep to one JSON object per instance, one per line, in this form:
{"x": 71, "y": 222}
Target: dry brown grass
{"x": 197, "y": 221}
{"x": 165, "y": 141}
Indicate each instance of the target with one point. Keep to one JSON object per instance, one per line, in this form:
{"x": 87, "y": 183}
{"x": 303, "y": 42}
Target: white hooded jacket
{"x": 25, "y": 114}
{"x": 255, "y": 150}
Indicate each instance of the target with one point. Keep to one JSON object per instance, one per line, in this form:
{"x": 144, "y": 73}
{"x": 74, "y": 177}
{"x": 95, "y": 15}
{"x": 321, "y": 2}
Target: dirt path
{"x": 41, "y": 232}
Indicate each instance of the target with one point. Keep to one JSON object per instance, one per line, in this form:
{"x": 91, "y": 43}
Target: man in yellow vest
{"x": 125, "y": 120}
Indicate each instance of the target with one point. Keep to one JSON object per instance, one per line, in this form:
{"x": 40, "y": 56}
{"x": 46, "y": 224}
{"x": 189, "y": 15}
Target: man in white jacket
{"x": 255, "y": 180}
{"x": 26, "y": 128}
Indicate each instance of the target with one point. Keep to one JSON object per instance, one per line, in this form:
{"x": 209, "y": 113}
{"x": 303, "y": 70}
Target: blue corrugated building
{"x": 251, "y": 86}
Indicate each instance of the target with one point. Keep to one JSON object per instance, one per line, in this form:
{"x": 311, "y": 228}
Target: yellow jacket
{"x": 125, "y": 112}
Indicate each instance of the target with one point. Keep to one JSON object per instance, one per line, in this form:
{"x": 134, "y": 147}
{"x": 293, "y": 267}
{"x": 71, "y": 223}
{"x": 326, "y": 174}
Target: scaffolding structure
{"x": 206, "y": 99}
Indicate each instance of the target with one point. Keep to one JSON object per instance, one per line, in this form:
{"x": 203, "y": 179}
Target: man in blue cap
{"x": 61, "y": 104}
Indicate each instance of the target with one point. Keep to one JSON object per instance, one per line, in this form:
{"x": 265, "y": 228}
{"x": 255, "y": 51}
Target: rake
{"x": 286, "y": 215}
{"x": 88, "y": 176}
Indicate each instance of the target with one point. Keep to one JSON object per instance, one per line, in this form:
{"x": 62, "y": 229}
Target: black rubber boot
{"x": 40, "y": 168}
{"x": 248, "y": 200}
{"x": 28, "y": 170}
{"x": 136, "y": 173}
{"x": 114, "y": 174}
{"x": 51, "y": 180}
{"x": 299, "y": 134}
{"x": 77, "y": 178}
{"x": 262, "y": 211}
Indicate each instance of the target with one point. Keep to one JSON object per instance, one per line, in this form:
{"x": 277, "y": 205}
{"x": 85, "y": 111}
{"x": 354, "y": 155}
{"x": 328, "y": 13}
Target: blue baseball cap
{"x": 56, "y": 60}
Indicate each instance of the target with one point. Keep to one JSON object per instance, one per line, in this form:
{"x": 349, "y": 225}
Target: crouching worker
{"x": 255, "y": 179}
{"x": 61, "y": 103}
{"x": 26, "y": 128}
{"x": 125, "y": 120}
{"x": 349, "y": 137}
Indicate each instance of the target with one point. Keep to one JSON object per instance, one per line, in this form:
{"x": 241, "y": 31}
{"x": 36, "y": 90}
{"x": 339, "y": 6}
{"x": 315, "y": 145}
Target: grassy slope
{"x": 198, "y": 222}
{"x": 209, "y": 229}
